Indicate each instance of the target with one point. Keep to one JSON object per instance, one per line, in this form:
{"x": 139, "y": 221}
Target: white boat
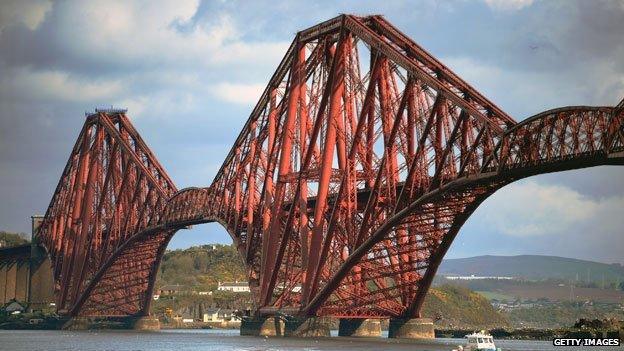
{"x": 480, "y": 341}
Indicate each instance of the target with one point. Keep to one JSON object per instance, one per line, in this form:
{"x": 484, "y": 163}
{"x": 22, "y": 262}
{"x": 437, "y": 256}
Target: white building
{"x": 233, "y": 286}
{"x": 221, "y": 315}
{"x": 475, "y": 277}
{"x": 212, "y": 315}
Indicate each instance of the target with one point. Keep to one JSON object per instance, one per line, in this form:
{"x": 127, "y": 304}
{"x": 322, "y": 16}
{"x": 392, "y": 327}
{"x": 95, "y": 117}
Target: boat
{"x": 480, "y": 341}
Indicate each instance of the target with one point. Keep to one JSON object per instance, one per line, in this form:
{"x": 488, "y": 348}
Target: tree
{"x": 12, "y": 239}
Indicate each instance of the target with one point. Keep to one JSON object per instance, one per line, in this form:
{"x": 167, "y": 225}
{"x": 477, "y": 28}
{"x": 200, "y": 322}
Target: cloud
{"x": 246, "y": 94}
{"x": 120, "y": 36}
{"x": 189, "y": 71}
{"x": 508, "y": 5}
{"x": 532, "y": 217}
{"x": 55, "y": 86}
{"x": 533, "y": 209}
{"x": 511, "y": 88}
{"x": 29, "y": 13}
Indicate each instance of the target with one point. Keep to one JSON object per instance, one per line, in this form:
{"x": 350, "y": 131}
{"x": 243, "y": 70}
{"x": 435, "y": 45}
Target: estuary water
{"x": 224, "y": 340}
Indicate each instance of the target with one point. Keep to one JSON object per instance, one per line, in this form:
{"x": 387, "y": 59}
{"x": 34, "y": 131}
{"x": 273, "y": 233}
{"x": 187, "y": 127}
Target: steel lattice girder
{"x": 344, "y": 190}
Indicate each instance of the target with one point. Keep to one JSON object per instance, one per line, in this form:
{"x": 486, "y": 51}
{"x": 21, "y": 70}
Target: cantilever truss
{"x": 344, "y": 190}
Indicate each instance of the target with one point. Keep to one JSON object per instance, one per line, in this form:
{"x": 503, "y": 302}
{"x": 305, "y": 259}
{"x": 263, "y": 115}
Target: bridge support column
{"x": 146, "y": 323}
{"x": 311, "y": 327}
{"x": 359, "y": 327}
{"x": 274, "y": 326}
{"x": 411, "y": 328}
{"x": 262, "y": 326}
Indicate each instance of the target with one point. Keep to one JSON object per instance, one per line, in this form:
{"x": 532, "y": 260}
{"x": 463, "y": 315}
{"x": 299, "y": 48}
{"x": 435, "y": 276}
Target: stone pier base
{"x": 414, "y": 328}
{"x": 311, "y": 327}
{"x": 146, "y": 323}
{"x": 359, "y": 327}
{"x": 262, "y": 326}
{"x": 78, "y": 323}
{"x": 275, "y": 326}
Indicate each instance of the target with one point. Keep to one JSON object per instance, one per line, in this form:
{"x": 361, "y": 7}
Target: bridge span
{"x": 355, "y": 171}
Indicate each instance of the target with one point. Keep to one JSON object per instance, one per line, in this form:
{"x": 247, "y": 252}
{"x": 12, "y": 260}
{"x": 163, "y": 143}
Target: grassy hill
{"x": 457, "y": 307}
{"x": 535, "y": 267}
{"x": 201, "y": 267}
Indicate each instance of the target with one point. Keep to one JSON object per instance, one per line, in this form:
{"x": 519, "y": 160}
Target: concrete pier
{"x": 359, "y": 327}
{"x": 262, "y": 326}
{"x": 311, "y": 327}
{"x": 278, "y": 326}
{"x": 414, "y": 328}
{"x": 146, "y": 323}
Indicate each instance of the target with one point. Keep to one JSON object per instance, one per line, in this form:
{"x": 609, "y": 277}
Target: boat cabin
{"x": 480, "y": 341}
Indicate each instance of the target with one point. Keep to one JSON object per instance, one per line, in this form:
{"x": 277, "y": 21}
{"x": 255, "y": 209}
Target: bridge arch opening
{"x": 570, "y": 214}
{"x": 199, "y": 273}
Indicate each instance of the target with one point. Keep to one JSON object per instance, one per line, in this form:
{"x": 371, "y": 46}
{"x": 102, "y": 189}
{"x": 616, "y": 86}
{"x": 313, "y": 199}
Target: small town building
{"x": 475, "y": 277}
{"x": 221, "y": 315}
{"x": 212, "y": 315}
{"x": 233, "y": 286}
{"x": 14, "y": 307}
{"x": 172, "y": 289}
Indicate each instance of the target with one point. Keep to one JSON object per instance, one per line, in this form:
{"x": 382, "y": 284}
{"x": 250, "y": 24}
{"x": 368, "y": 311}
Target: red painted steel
{"x": 348, "y": 183}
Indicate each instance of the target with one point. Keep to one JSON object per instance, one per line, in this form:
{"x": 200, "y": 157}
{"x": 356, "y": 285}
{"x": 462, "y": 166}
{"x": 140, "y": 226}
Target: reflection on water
{"x": 209, "y": 340}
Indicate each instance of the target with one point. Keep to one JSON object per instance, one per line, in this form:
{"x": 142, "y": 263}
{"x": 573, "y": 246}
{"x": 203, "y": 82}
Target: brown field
{"x": 562, "y": 293}
{"x": 548, "y": 290}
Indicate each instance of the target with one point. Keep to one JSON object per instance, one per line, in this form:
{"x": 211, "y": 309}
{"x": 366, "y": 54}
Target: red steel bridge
{"x": 355, "y": 171}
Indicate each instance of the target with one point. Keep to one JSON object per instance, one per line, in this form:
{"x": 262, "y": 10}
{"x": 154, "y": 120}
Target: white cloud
{"x": 510, "y": 89}
{"x": 55, "y": 86}
{"x": 247, "y": 94}
{"x": 530, "y": 209}
{"x": 157, "y": 33}
{"x": 508, "y": 5}
{"x": 27, "y": 12}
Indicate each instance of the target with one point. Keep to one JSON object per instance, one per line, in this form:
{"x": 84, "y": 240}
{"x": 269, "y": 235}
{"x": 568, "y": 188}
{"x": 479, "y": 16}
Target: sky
{"x": 190, "y": 72}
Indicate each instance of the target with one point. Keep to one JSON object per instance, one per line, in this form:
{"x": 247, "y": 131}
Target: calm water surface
{"x": 209, "y": 340}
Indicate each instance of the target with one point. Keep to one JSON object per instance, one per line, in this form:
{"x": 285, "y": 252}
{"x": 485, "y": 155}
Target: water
{"x": 223, "y": 340}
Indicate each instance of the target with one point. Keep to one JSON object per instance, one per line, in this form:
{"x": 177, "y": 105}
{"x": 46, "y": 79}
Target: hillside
{"x": 8, "y": 239}
{"x": 456, "y": 307}
{"x": 201, "y": 267}
{"x": 535, "y": 267}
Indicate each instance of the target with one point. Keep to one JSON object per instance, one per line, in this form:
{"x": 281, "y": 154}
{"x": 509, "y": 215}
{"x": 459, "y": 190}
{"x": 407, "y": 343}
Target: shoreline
{"x": 497, "y": 333}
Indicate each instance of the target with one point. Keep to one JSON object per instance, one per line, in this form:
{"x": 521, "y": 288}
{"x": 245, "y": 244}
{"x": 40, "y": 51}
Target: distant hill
{"x": 534, "y": 267}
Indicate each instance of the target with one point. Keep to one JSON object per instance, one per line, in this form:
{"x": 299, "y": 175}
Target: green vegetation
{"x": 201, "y": 267}
{"x": 560, "y": 315}
{"x": 492, "y": 295}
{"x": 457, "y": 307}
{"x": 8, "y": 239}
{"x": 551, "y": 290}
